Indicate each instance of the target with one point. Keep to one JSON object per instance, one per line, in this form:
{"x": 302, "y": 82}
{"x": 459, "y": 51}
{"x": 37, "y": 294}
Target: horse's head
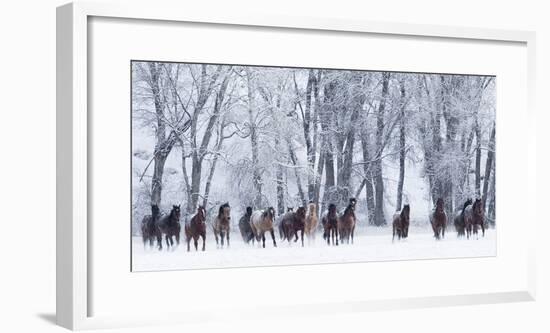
{"x": 225, "y": 212}
{"x": 312, "y": 208}
{"x": 405, "y": 213}
{"x": 248, "y": 210}
{"x": 271, "y": 212}
{"x": 332, "y": 208}
{"x": 352, "y": 202}
{"x": 176, "y": 212}
{"x": 155, "y": 211}
{"x": 478, "y": 207}
{"x": 289, "y": 209}
{"x": 440, "y": 206}
{"x": 301, "y": 212}
{"x": 201, "y": 213}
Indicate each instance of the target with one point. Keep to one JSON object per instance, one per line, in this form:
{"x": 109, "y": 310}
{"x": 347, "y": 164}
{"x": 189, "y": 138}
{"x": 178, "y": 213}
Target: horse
{"x": 311, "y": 222}
{"x": 196, "y": 228}
{"x": 280, "y": 225}
{"x": 401, "y": 223}
{"x": 346, "y": 223}
{"x": 169, "y": 226}
{"x": 261, "y": 222}
{"x": 149, "y": 230}
{"x": 222, "y": 224}
{"x": 459, "y": 219}
{"x": 438, "y": 219}
{"x": 244, "y": 226}
{"x": 330, "y": 225}
{"x": 473, "y": 218}
{"x": 292, "y": 222}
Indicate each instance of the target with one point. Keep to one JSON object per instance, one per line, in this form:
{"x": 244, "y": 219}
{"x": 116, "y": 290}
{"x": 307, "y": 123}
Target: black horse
{"x": 460, "y": 226}
{"x": 149, "y": 231}
{"x": 244, "y": 226}
{"x": 169, "y": 225}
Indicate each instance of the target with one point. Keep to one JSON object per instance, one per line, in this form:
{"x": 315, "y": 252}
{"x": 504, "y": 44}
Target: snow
{"x": 370, "y": 244}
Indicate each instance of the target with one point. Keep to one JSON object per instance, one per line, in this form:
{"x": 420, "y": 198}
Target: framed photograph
{"x": 225, "y": 155}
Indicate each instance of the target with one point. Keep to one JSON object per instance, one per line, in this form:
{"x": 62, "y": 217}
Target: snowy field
{"x": 371, "y": 244}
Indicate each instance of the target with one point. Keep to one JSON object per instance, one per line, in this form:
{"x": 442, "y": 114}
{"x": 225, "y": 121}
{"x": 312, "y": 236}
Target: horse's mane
{"x": 348, "y": 209}
{"x": 466, "y": 204}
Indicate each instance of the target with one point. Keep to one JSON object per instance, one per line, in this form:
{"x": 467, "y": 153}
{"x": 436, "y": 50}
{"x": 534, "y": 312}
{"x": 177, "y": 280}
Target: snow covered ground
{"x": 371, "y": 244}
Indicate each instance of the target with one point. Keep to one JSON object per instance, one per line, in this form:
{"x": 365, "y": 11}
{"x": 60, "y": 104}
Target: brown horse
{"x": 311, "y": 222}
{"x": 261, "y": 222}
{"x": 473, "y": 218}
{"x": 439, "y": 219}
{"x": 401, "y": 223}
{"x": 346, "y": 223}
{"x": 459, "y": 219}
{"x": 330, "y": 225}
{"x": 169, "y": 226}
{"x": 149, "y": 231}
{"x": 196, "y": 228}
{"x": 292, "y": 222}
{"x": 244, "y": 226}
{"x": 222, "y": 224}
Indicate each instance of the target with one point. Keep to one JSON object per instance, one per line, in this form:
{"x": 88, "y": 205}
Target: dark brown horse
{"x": 196, "y": 228}
{"x": 330, "y": 225}
{"x": 401, "y": 223}
{"x": 346, "y": 223}
{"x": 292, "y": 223}
{"x": 473, "y": 218}
{"x": 149, "y": 231}
{"x": 459, "y": 219}
{"x": 244, "y": 226}
{"x": 262, "y": 222}
{"x": 169, "y": 226}
{"x": 222, "y": 224}
{"x": 439, "y": 219}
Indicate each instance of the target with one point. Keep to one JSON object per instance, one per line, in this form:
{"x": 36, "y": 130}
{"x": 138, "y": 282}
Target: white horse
{"x": 262, "y": 221}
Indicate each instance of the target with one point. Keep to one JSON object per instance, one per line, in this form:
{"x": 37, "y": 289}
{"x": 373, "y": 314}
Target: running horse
{"x": 244, "y": 226}
{"x": 438, "y": 219}
{"x": 222, "y": 224}
{"x": 262, "y": 222}
{"x": 292, "y": 222}
{"x": 346, "y": 223}
{"x": 401, "y": 223}
{"x": 196, "y": 228}
{"x": 311, "y": 222}
{"x": 330, "y": 225}
{"x": 473, "y": 218}
{"x": 169, "y": 226}
{"x": 459, "y": 219}
{"x": 149, "y": 230}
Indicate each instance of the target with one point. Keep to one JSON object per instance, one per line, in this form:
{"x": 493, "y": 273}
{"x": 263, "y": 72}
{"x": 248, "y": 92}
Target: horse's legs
{"x": 221, "y": 238}
{"x": 196, "y": 242}
{"x": 263, "y": 239}
{"x": 178, "y": 238}
{"x": 159, "y": 241}
{"x": 352, "y": 232}
{"x": 188, "y": 240}
{"x": 227, "y": 235}
{"x": 203, "y": 241}
{"x": 272, "y": 232}
{"x": 302, "y": 237}
{"x": 216, "y": 236}
{"x": 482, "y": 230}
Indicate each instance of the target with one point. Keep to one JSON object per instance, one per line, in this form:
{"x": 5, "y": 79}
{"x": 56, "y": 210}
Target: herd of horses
{"x": 293, "y": 225}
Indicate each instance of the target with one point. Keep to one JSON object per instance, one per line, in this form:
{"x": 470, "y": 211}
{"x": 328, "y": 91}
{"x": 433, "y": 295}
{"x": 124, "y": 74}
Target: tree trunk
{"x": 488, "y": 166}
{"x": 256, "y": 176}
{"x": 367, "y": 167}
{"x": 401, "y": 148}
{"x": 379, "y": 218}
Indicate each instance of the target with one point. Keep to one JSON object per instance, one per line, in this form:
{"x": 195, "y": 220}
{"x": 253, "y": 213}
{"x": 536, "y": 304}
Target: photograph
{"x": 236, "y": 165}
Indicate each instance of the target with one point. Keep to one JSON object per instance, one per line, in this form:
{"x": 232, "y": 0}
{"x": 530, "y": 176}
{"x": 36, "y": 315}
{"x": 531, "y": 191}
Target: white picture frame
{"x": 73, "y": 255}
